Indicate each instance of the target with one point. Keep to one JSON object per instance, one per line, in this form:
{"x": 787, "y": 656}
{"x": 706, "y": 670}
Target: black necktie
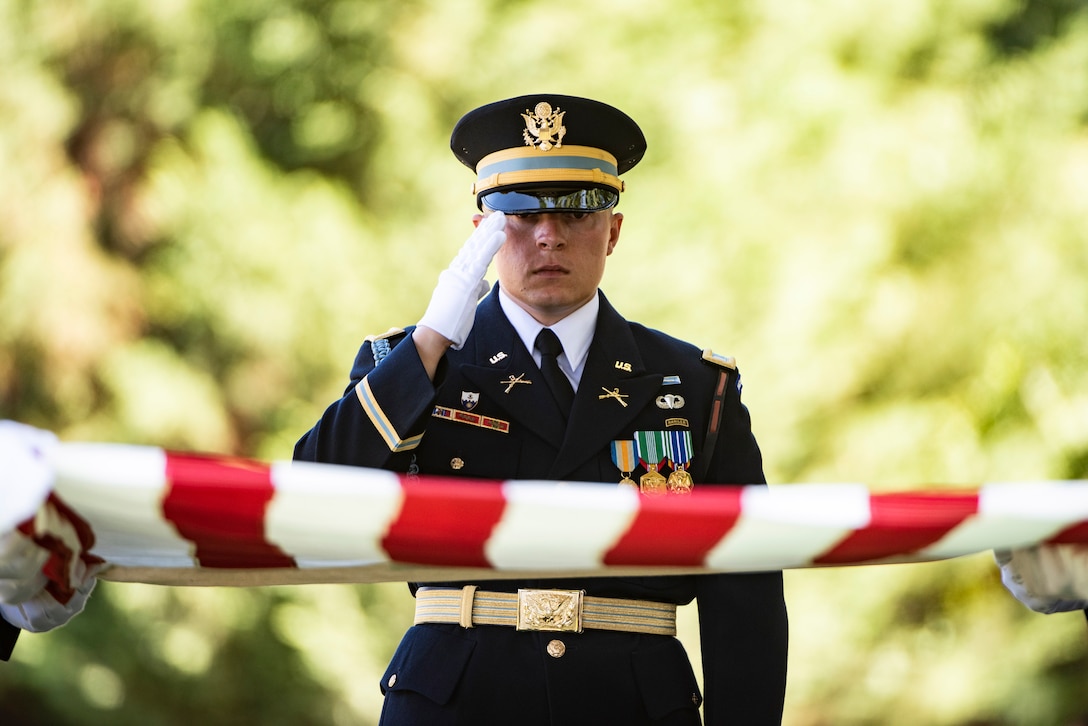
{"x": 549, "y": 346}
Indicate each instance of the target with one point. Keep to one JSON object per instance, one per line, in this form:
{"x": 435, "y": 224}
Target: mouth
{"x": 551, "y": 270}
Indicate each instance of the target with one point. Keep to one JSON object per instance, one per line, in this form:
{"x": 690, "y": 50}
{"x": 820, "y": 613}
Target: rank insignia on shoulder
{"x": 391, "y": 333}
{"x": 725, "y": 361}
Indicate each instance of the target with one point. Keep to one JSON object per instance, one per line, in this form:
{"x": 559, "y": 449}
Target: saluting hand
{"x": 452, "y": 309}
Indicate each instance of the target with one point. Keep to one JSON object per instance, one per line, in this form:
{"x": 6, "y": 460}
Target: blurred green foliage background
{"x": 879, "y": 207}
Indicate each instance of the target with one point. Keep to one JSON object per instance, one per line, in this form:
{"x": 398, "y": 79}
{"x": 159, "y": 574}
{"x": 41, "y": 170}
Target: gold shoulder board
{"x": 725, "y": 361}
{"x": 391, "y": 333}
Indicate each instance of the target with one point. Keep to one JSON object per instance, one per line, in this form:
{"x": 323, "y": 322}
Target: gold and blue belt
{"x": 568, "y": 611}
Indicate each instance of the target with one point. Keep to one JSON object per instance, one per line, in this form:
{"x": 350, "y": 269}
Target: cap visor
{"x": 525, "y": 202}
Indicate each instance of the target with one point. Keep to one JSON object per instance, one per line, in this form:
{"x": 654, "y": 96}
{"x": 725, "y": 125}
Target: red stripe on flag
{"x": 1073, "y": 534}
{"x": 445, "y": 523}
{"x": 902, "y": 524}
{"x": 58, "y": 568}
{"x": 218, "y": 504}
{"x": 677, "y": 530}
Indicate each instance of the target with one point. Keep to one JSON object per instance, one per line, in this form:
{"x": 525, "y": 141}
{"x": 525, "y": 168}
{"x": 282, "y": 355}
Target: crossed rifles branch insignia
{"x": 614, "y": 393}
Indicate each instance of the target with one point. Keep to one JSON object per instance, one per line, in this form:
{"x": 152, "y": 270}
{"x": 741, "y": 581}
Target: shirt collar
{"x": 575, "y": 332}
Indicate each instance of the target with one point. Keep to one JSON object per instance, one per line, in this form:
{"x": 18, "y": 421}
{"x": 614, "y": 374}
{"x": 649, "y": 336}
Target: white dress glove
{"x": 46, "y": 573}
{"x": 44, "y": 612}
{"x": 453, "y": 304}
{"x": 26, "y": 477}
{"x": 1047, "y": 578}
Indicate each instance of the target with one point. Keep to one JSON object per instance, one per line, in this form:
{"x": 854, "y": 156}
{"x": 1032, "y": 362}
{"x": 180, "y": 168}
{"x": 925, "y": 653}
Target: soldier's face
{"x": 552, "y": 263}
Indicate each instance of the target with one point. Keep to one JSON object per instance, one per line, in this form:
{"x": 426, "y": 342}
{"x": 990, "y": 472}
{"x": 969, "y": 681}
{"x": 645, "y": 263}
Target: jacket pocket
{"x": 665, "y": 678}
{"x": 460, "y": 450}
{"x": 429, "y": 661}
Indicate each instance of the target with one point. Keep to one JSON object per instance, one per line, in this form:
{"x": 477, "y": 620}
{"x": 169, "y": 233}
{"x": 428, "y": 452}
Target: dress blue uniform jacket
{"x": 487, "y": 674}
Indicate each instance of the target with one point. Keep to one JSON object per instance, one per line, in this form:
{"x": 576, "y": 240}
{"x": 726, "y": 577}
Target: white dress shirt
{"x": 575, "y": 332}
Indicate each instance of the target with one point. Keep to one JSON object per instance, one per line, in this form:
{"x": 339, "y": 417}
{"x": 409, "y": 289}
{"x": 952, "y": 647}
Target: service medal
{"x": 680, "y": 482}
{"x": 650, "y": 448}
{"x": 679, "y": 453}
{"x": 652, "y": 483}
{"x": 623, "y": 456}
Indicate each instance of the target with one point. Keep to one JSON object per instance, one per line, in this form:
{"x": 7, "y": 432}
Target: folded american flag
{"x": 185, "y": 519}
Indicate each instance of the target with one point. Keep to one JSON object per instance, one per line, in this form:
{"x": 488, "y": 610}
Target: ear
{"x": 476, "y": 219}
{"x": 614, "y": 231}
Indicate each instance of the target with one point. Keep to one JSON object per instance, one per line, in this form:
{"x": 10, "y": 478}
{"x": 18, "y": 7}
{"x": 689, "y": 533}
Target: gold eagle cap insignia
{"x": 544, "y": 127}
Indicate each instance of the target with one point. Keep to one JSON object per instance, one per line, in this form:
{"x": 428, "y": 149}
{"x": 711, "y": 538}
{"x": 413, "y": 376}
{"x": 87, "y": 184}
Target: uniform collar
{"x": 575, "y": 332}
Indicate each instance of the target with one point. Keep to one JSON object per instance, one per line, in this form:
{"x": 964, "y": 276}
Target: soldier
{"x": 543, "y": 379}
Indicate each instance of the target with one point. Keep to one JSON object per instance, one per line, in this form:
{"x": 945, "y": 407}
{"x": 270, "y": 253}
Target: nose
{"x": 548, "y": 232}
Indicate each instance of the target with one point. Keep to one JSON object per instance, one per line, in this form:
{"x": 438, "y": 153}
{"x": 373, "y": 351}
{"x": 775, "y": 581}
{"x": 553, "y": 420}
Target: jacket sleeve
{"x": 381, "y": 414}
{"x": 742, "y": 617}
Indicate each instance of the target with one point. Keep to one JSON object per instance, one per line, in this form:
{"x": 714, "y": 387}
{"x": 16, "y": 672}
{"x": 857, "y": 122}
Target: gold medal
{"x": 680, "y": 482}
{"x": 652, "y": 483}
{"x": 627, "y": 481}
{"x": 679, "y": 454}
{"x": 650, "y": 450}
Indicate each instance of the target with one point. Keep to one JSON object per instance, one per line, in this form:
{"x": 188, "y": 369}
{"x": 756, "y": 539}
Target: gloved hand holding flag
{"x": 46, "y": 573}
{"x": 1047, "y": 578}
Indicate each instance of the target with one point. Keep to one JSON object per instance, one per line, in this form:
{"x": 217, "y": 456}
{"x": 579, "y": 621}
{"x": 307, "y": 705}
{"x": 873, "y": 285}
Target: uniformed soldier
{"x": 543, "y": 379}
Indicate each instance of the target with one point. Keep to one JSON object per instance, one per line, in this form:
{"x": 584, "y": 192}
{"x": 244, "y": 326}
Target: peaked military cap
{"x": 547, "y": 153}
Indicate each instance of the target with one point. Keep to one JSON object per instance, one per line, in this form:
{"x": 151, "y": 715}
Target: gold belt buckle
{"x": 552, "y": 610}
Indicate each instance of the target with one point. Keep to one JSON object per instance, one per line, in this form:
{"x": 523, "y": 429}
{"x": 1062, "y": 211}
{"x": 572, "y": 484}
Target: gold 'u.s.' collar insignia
{"x": 512, "y": 380}
{"x": 544, "y": 129}
{"x": 614, "y": 393}
{"x": 497, "y": 357}
{"x": 623, "y": 366}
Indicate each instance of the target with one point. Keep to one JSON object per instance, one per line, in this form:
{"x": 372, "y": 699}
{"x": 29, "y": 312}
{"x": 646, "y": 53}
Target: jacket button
{"x": 556, "y": 649}
{"x": 392, "y": 681}
{"x": 457, "y": 463}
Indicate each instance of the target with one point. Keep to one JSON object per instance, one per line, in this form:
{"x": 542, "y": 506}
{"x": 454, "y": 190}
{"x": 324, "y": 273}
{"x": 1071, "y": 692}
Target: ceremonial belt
{"x": 569, "y": 611}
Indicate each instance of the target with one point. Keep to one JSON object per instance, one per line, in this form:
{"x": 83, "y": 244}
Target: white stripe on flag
{"x": 1014, "y": 514}
{"x": 789, "y": 526}
{"x": 553, "y": 526}
{"x": 331, "y": 516}
{"x": 120, "y": 489}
